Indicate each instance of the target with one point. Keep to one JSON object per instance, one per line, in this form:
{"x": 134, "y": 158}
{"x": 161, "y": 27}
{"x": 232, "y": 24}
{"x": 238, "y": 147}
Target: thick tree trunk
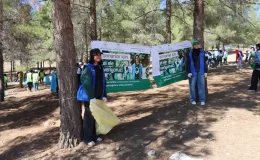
{"x": 70, "y": 128}
{"x": 198, "y": 27}
{"x": 168, "y": 21}
{"x": 1, "y": 55}
{"x": 93, "y": 20}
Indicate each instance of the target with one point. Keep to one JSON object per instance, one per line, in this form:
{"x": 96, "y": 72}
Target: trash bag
{"x": 105, "y": 118}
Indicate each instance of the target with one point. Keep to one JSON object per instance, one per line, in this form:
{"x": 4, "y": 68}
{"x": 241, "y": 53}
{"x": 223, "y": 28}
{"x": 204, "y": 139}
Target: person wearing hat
{"x": 256, "y": 72}
{"x": 197, "y": 70}
{"x": 93, "y": 86}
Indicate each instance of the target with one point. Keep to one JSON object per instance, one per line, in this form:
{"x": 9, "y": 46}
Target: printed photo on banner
{"x": 172, "y": 62}
{"x": 125, "y": 66}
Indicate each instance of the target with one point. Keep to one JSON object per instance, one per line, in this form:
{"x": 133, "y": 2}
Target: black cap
{"x": 258, "y": 45}
{"x": 95, "y": 51}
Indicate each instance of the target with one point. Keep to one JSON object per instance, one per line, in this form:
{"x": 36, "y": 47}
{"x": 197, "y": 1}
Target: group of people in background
{"x": 216, "y": 57}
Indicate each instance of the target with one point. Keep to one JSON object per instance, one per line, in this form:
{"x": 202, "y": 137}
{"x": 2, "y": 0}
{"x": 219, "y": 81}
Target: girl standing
{"x": 92, "y": 87}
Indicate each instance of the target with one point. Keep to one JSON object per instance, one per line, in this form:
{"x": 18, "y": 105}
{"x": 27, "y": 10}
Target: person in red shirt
{"x": 237, "y": 54}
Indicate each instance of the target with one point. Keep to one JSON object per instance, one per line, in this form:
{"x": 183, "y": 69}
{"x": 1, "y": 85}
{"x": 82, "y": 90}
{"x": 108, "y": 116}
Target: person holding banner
{"x": 137, "y": 68}
{"x": 93, "y": 88}
{"x": 197, "y": 71}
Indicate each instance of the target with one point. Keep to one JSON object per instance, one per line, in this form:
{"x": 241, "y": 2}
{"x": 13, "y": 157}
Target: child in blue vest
{"x": 92, "y": 87}
{"x": 197, "y": 70}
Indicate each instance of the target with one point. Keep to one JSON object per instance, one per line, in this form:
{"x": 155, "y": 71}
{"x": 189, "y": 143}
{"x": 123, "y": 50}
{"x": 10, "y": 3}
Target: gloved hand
{"x": 105, "y": 99}
{"x": 189, "y": 75}
{"x": 93, "y": 100}
{"x": 205, "y": 75}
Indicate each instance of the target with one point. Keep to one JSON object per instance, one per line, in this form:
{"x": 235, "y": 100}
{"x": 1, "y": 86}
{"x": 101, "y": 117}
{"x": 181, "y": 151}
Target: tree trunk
{"x": 43, "y": 64}
{"x": 93, "y": 20}
{"x": 198, "y": 26}
{"x": 168, "y": 21}
{"x": 11, "y": 71}
{"x": 1, "y": 55}
{"x": 21, "y": 79}
{"x": 70, "y": 127}
{"x": 86, "y": 41}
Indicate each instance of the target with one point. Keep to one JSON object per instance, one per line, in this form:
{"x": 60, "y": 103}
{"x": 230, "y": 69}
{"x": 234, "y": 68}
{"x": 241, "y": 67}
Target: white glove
{"x": 205, "y": 75}
{"x": 93, "y": 100}
{"x": 105, "y": 99}
{"x": 189, "y": 75}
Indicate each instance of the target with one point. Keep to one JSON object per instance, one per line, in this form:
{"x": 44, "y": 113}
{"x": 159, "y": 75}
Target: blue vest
{"x": 82, "y": 95}
{"x": 192, "y": 66}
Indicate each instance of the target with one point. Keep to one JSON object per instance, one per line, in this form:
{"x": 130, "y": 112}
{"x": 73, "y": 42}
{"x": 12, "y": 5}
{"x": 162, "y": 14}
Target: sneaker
{"x": 202, "y": 103}
{"x": 99, "y": 139}
{"x": 251, "y": 90}
{"x": 193, "y": 103}
{"x": 91, "y": 144}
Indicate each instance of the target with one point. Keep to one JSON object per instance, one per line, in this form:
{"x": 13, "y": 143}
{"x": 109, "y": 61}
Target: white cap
{"x": 80, "y": 63}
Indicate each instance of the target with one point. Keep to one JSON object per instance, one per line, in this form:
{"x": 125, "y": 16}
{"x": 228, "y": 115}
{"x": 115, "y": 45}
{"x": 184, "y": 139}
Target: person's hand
{"x": 105, "y": 99}
{"x": 205, "y": 75}
{"x": 93, "y": 100}
{"x": 189, "y": 75}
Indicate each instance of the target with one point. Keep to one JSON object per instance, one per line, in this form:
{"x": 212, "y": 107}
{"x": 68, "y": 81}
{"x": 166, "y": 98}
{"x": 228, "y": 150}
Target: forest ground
{"x": 160, "y": 119}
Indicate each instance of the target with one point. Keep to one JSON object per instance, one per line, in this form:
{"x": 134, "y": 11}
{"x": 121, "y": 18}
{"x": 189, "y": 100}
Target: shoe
{"x": 193, "y": 103}
{"x": 202, "y": 103}
{"x": 251, "y": 90}
{"x": 91, "y": 144}
{"x": 99, "y": 139}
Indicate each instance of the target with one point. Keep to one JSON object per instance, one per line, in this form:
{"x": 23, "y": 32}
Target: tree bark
{"x": 1, "y": 55}
{"x": 168, "y": 21}
{"x": 198, "y": 26}
{"x": 93, "y": 20}
{"x": 11, "y": 71}
{"x": 70, "y": 127}
{"x": 21, "y": 79}
{"x": 86, "y": 41}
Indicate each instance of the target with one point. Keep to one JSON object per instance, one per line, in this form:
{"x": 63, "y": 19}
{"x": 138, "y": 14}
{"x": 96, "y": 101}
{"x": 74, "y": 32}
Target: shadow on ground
{"x": 167, "y": 125}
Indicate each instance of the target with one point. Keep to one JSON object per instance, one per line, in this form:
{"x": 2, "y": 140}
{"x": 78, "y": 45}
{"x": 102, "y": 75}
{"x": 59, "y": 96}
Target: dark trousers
{"x": 89, "y": 127}
{"x": 225, "y": 60}
{"x": 246, "y": 59}
{"x": 254, "y": 79}
{"x": 30, "y": 85}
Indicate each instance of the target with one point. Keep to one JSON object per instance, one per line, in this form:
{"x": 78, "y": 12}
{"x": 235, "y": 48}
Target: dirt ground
{"x": 161, "y": 119}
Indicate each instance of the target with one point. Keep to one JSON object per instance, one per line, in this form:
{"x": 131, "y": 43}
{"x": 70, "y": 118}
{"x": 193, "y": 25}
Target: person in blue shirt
{"x": 256, "y": 72}
{"x": 92, "y": 87}
{"x": 197, "y": 71}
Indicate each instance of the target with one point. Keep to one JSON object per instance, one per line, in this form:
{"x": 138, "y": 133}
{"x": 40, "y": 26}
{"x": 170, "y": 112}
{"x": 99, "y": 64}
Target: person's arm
{"x": 105, "y": 89}
{"x": 205, "y": 65}
{"x": 86, "y": 80}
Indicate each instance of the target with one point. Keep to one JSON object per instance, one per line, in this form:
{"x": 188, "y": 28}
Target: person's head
{"x": 257, "y": 47}
{"x": 95, "y": 56}
{"x": 195, "y": 44}
{"x": 5, "y": 74}
{"x": 80, "y": 64}
{"x": 137, "y": 59}
{"x": 246, "y": 51}
{"x": 31, "y": 71}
